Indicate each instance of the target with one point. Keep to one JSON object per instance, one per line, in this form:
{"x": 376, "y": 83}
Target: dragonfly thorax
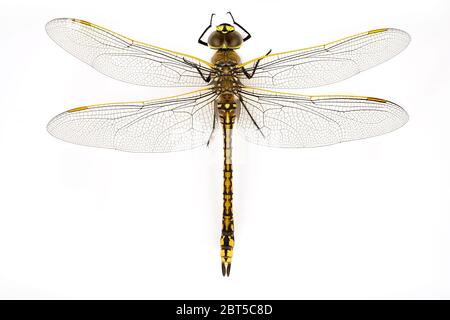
{"x": 222, "y": 58}
{"x": 226, "y": 79}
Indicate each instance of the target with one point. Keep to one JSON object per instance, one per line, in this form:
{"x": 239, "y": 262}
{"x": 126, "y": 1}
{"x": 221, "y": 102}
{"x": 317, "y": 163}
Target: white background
{"x": 363, "y": 219}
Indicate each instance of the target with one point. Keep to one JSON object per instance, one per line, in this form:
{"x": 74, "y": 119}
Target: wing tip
{"x": 56, "y": 21}
{"x": 403, "y": 114}
{"x": 52, "y": 124}
{"x": 406, "y": 35}
{"x": 50, "y": 24}
{"x": 59, "y": 21}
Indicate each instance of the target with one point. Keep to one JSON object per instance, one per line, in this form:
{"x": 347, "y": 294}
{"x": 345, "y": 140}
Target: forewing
{"x": 327, "y": 63}
{"x": 125, "y": 59}
{"x": 288, "y": 120}
{"x": 163, "y": 125}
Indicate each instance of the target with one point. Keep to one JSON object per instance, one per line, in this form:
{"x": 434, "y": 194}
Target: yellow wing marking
{"x": 377, "y": 30}
{"x": 315, "y": 47}
{"x": 139, "y": 42}
{"x": 376, "y": 99}
{"x": 82, "y": 22}
{"x": 136, "y": 102}
{"x": 78, "y": 109}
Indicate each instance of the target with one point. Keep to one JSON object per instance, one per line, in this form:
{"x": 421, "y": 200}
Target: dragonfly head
{"x": 225, "y": 37}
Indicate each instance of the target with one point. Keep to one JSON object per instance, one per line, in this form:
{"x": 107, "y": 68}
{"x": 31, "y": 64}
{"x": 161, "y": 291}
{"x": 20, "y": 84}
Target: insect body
{"x": 227, "y": 85}
{"x": 229, "y": 96}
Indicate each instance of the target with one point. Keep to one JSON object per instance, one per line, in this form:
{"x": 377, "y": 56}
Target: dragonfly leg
{"x": 213, "y": 128}
{"x": 206, "y": 79}
{"x": 250, "y": 115}
{"x": 250, "y": 75}
{"x": 248, "y": 35}
{"x": 204, "y": 43}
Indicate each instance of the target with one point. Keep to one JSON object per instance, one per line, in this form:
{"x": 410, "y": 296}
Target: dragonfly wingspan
{"x": 326, "y": 64}
{"x": 163, "y": 125}
{"x": 288, "y": 120}
{"x": 125, "y": 59}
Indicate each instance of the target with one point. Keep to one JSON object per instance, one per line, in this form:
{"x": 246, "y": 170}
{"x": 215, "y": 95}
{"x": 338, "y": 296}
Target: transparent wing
{"x": 125, "y": 59}
{"x": 327, "y": 63}
{"x": 171, "y": 124}
{"x": 288, "y": 120}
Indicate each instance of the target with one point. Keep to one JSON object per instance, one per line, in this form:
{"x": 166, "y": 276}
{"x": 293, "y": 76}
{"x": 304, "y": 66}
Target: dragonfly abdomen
{"x": 227, "y": 106}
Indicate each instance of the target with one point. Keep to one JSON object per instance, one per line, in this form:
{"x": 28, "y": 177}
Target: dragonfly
{"x": 229, "y": 94}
